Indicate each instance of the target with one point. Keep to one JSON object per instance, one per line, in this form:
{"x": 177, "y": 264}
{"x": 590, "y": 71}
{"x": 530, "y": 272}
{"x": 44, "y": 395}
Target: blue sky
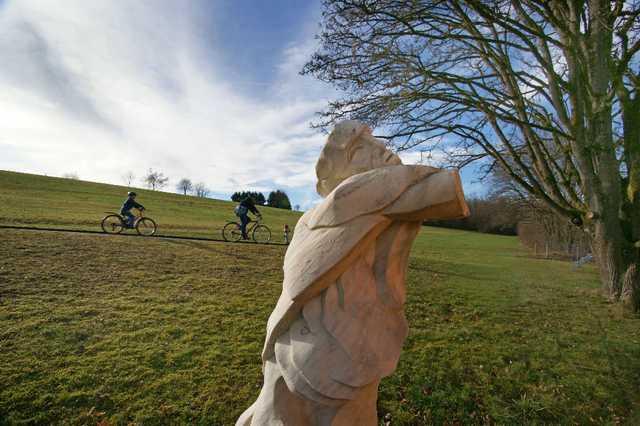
{"x": 207, "y": 90}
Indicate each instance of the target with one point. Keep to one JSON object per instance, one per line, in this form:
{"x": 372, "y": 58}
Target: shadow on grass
{"x": 207, "y": 247}
{"x": 445, "y": 271}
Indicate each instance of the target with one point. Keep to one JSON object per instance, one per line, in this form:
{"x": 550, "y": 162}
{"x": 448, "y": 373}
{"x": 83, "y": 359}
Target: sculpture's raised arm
{"x": 438, "y": 195}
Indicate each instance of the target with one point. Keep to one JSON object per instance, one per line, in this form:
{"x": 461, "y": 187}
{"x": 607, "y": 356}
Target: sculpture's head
{"x": 350, "y": 149}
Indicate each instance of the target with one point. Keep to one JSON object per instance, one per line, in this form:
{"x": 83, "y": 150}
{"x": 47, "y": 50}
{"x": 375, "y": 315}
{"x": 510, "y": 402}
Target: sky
{"x": 202, "y": 89}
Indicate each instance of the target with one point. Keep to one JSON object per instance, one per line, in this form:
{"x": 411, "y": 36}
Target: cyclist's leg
{"x": 244, "y": 220}
{"x": 129, "y": 218}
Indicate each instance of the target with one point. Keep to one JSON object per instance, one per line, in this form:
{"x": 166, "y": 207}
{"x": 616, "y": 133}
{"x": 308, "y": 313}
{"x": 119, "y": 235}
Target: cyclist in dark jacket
{"x": 130, "y": 203}
{"x": 246, "y": 205}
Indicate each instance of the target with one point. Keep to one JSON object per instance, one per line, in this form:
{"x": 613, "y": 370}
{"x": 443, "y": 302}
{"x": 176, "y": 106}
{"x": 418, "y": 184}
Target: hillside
{"x": 35, "y": 200}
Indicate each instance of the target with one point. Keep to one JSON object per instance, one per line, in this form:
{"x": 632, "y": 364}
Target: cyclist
{"x": 130, "y": 203}
{"x": 246, "y": 205}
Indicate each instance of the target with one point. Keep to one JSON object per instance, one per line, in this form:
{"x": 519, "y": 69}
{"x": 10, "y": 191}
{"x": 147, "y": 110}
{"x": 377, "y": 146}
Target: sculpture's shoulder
{"x": 365, "y": 193}
{"x": 316, "y": 255}
{"x": 329, "y": 235}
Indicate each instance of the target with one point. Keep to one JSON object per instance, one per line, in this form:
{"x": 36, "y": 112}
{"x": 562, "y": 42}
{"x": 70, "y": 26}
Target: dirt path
{"x": 172, "y": 237}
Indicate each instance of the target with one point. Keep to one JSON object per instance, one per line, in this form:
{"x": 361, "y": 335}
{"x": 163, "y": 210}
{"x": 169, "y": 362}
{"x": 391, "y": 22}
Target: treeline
{"x": 257, "y": 197}
{"x": 492, "y": 215}
{"x": 540, "y": 229}
{"x": 551, "y": 236}
{"x": 278, "y": 198}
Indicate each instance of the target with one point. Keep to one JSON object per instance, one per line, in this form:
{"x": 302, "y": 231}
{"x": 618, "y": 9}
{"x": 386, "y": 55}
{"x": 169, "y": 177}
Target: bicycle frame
{"x": 252, "y": 224}
{"x": 137, "y": 217}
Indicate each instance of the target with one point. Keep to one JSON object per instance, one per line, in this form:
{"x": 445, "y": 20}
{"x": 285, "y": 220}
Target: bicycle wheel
{"x": 261, "y": 234}
{"x": 231, "y": 232}
{"x": 112, "y": 224}
{"x": 146, "y": 226}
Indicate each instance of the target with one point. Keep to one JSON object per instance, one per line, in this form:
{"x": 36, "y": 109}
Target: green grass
{"x": 34, "y": 200}
{"x": 98, "y": 329}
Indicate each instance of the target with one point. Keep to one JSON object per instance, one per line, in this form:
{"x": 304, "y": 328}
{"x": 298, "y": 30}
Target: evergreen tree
{"x": 257, "y": 197}
{"x": 279, "y": 199}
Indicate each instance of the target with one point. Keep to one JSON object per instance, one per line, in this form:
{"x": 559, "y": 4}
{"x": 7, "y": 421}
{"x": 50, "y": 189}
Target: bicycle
{"x": 259, "y": 233}
{"x": 115, "y": 223}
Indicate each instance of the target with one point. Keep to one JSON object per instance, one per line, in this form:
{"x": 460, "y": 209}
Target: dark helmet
{"x": 131, "y": 194}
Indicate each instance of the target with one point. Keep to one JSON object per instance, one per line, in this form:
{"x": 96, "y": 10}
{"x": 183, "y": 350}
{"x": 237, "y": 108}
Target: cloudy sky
{"x": 207, "y": 90}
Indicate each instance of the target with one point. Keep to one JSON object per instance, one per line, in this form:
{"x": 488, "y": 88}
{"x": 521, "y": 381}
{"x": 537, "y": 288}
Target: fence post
{"x": 286, "y": 234}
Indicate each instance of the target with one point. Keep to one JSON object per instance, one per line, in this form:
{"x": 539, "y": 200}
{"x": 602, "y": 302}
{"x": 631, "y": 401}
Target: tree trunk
{"x": 611, "y": 247}
{"x": 631, "y": 285}
{"x": 619, "y": 264}
{"x": 608, "y": 250}
{"x": 631, "y": 208}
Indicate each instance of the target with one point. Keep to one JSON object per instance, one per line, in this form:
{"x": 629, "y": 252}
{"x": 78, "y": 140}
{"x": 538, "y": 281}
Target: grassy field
{"x": 98, "y": 329}
{"x": 34, "y": 200}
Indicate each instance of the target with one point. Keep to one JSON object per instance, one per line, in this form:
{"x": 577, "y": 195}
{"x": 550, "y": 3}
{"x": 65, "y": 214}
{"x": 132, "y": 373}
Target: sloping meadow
{"x": 33, "y": 200}
{"x": 97, "y": 328}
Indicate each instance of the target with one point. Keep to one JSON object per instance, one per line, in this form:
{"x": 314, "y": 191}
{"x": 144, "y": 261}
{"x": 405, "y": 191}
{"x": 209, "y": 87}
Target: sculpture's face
{"x": 350, "y": 150}
{"x": 367, "y": 153}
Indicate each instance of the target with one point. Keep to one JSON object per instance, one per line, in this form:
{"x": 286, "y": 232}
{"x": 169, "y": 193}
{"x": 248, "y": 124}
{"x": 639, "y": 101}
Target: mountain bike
{"x": 115, "y": 223}
{"x": 259, "y": 233}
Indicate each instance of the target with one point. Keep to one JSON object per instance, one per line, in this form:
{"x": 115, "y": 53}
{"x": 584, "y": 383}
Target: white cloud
{"x": 102, "y": 87}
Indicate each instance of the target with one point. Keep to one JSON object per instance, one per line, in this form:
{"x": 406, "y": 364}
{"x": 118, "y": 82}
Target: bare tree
{"x": 185, "y": 186}
{"x": 128, "y": 178}
{"x": 72, "y": 175}
{"x": 546, "y": 90}
{"x": 543, "y": 229}
{"x": 201, "y": 190}
{"x": 155, "y": 180}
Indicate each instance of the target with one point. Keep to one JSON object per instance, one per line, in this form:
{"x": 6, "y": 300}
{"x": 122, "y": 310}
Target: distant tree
{"x": 201, "y": 190}
{"x": 155, "y": 180}
{"x": 128, "y": 178}
{"x": 297, "y": 207}
{"x": 539, "y": 226}
{"x": 495, "y": 214}
{"x": 543, "y": 229}
{"x": 279, "y": 199}
{"x": 185, "y": 186}
{"x": 257, "y": 197}
{"x": 72, "y": 175}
